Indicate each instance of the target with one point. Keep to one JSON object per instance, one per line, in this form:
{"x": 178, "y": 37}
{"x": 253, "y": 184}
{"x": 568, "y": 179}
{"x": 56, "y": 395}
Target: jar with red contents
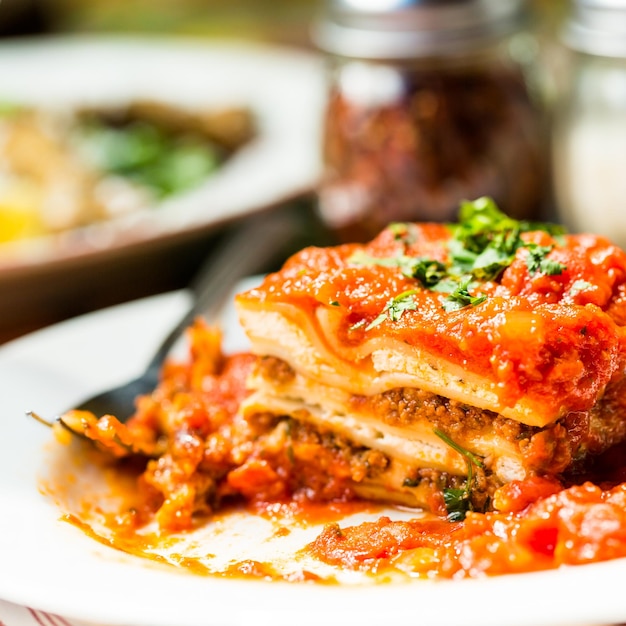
{"x": 430, "y": 102}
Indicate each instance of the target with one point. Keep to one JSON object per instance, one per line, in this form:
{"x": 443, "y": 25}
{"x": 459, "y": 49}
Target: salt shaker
{"x": 589, "y": 130}
{"x": 430, "y": 102}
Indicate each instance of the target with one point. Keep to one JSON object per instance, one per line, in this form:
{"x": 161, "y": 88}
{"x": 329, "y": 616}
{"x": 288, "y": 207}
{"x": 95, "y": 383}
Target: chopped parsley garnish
{"x": 480, "y": 221}
{"x": 405, "y": 232}
{"x": 483, "y": 244}
{"x": 461, "y": 297}
{"x": 537, "y": 261}
{"x": 395, "y": 308}
{"x": 427, "y": 271}
{"x": 458, "y": 501}
{"x": 485, "y": 240}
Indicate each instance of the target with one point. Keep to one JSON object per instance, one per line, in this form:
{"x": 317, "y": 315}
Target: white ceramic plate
{"x": 51, "y": 565}
{"x": 282, "y": 87}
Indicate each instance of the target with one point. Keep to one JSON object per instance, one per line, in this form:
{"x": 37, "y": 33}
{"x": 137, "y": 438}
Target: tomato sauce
{"x": 574, "y": 526}
{"x": 557, "y": 339}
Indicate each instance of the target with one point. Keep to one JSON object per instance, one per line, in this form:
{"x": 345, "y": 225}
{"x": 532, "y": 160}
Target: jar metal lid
{"x": 394, "y": 29}
{"x": 597, "y": 27}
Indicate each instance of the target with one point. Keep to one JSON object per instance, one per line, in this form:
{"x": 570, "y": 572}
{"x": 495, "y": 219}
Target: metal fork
{"x": 250, "y": 249}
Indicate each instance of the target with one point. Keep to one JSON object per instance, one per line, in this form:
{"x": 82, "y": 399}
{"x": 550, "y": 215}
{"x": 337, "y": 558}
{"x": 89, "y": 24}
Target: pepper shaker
{"x": 430, "y": 102}
{"x": 589, "y": 131}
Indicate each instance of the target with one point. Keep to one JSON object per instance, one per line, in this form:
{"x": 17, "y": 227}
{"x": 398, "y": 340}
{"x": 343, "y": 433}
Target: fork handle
{"x": 247, "y": 249}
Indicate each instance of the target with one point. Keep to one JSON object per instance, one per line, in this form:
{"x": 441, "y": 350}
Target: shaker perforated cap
{"x": 407, "y": 28}
{"x": 597, "y": 27}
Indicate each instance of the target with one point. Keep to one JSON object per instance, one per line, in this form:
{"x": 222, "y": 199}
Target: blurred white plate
{"x": 51, "y": 278}
{"x": 282, "y": 87}
{"x": 51, "y": 565}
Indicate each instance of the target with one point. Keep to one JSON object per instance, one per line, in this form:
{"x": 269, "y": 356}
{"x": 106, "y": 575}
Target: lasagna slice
{"x": 445, "y": 360}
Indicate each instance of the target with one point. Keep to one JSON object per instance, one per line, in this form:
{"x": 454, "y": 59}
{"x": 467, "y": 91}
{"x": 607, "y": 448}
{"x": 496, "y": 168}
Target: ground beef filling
{"x": 302, "y": 460}
{"x": 549, "y": 451}
{"x": 310, "y": 462}
{"x": 274, "y": 369}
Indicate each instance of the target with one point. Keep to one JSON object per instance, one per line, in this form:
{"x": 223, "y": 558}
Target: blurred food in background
{"x": 61, "y": 169}
{"x": 109, "y": 124}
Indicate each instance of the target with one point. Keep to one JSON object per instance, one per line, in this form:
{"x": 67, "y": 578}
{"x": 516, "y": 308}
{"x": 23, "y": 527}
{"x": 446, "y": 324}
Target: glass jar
{"x": 589, "y": 131}
{"x": 430, "y": 102}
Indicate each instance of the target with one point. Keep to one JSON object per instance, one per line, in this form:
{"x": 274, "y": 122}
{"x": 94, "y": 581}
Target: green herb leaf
{"x": 461, "y": 297}
{"x": 479, "y": 221}
{"x": 427, "y": 271}
{"x": 552, "y": 268}
{"x": 378, "y": 320}
{"x": 402, "y": 262}
{"x": 405, "y": 232}
{"x": 457, "y": 504}
{"x": 447, "y": 285}
{"x": 470, "y": 456}
{"x": 497, "y": 255}
{"x": 493, "y": 239}
{"x": 458, "y": 501}
{"x": 149, "y": 156}
{"x": 537, "y": 260}
{"x": 483, "y": 244}
{"x": 395, "y": 308}
{"x": 536, "y": 255}
{"x": 462, "y": 259}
